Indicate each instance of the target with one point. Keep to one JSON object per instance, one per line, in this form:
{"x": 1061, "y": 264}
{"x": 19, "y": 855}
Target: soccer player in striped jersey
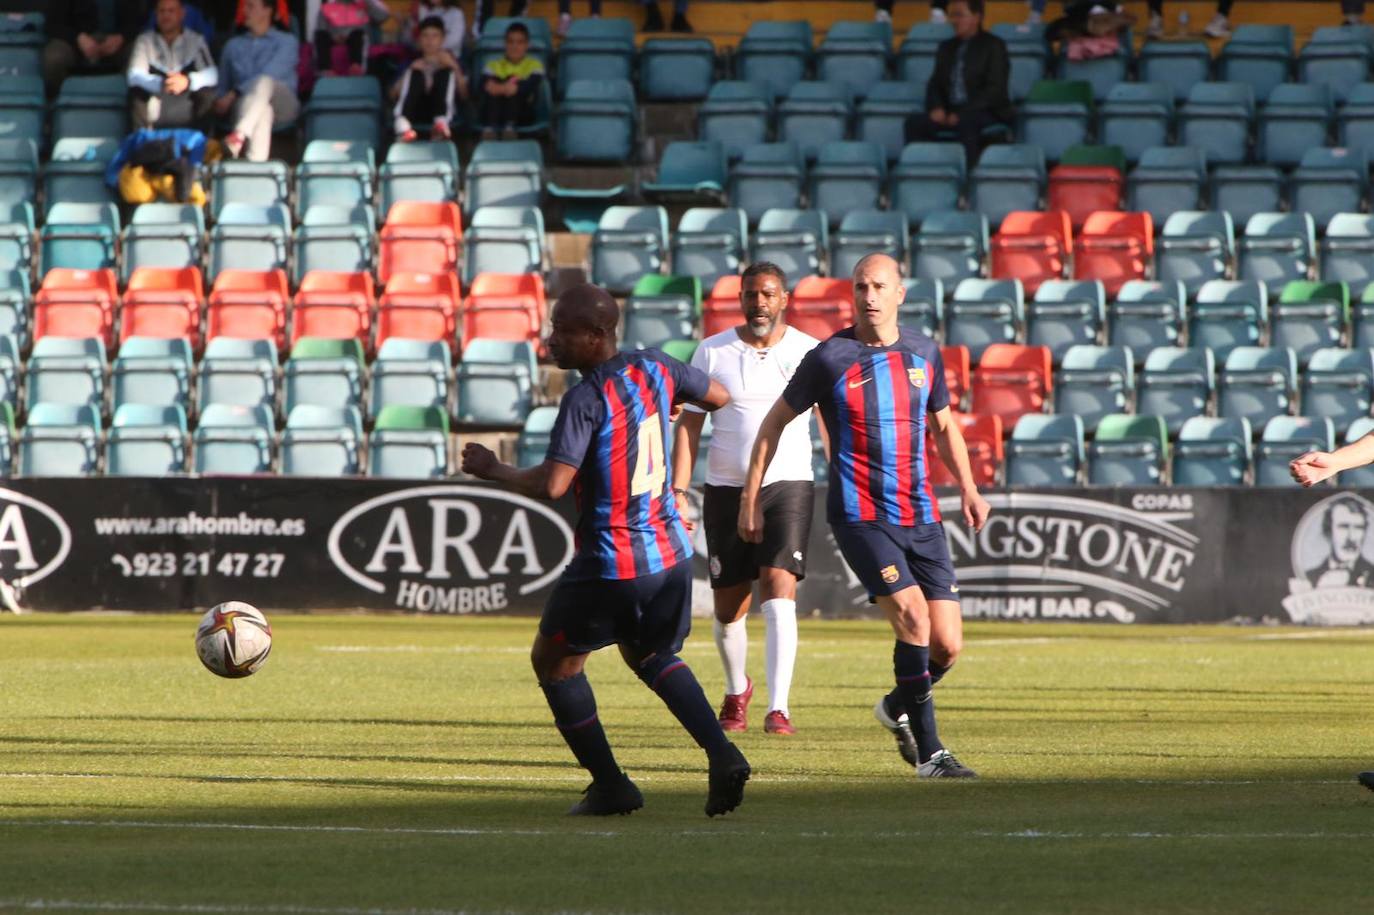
{"x": 630, "y": 582}
{"x": 1315, "y": 466}
{"x": 879, "y": 387}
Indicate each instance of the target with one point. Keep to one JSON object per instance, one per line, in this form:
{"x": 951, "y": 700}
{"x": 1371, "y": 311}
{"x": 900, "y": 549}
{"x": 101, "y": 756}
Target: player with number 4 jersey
{"x": 630, "y": 581}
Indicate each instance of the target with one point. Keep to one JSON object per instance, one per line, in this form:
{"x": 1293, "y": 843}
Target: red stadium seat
{"x": 1081, "y": 190}
{"x": 169, "y": 315}
{"x": 178, "y": 280}
{"x": 420, "y": 237}
{"x": 1032, "y": 247}
{"x": 1115, "y": 248}
{"x": 249, "y": 304}
{"x": 1012, "y": 380}
{"x": 956, "y": 360}
{"x": 721, "y": 310}
{"x": 819, "y": 306}
{"x": 100, "y": 285}
{"x": 415, "y": 322}
{"x": 437, "y": 290}
{"x": 419, "y": 306}
{"x": 512, "y": 284}
{"x": 76, "y": 303}
{"x": 335, "y": 305}
{"x": 501, "y": 318}
{"x": 983, "y": 436}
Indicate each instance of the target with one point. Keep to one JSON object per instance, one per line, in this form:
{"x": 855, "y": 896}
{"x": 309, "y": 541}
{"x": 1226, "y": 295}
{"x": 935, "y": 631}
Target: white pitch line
{"x": 418, "y": 649}
{"x": 73, "y": 905}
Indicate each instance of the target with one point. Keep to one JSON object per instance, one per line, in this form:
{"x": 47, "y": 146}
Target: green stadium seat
{"x": 1128, "y": 451}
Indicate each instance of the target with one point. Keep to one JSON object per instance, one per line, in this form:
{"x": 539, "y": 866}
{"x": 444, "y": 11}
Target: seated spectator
{"x": 257, "y": 82}
{"x": 510, "y": 86}
{"x": 172, "y": 76}
{"x": 967, "y": 92}
{"x": 74, "y": 42}
{"x": 449, "y": 13}
{"x": 195, "y": 21}
{"x": 426, "y": 93}
{"x": 1090, "y": 30}
{"x": 281, "y": 15}
{"x": 341, "y": 35}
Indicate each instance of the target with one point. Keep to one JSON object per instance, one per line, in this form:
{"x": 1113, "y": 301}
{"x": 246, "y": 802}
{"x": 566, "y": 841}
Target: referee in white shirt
{"x": 754, "y": 362}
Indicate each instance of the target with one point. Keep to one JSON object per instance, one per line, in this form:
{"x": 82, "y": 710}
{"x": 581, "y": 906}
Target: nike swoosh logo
{"x": 861, "y": 383}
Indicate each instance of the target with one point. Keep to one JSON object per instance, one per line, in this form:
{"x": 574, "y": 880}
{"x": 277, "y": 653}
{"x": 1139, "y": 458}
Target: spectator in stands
{"x": 426, "y": 93}
{"x": 449, "y": 13}
{"x": 172, "y": 76}
{"x": 1219, "y": 27}
{"x": 882, "y": 11}
{"x": 565, "y": 14}
{"x": 75, "y": 43}
{"x": 967, "y": 92}
{"x": 510, "y": 86}
{"x": 281, "y": 14}
{"x": 1352, "y": 12}
{"x": 653, "y": 18}
{"x": 257, "y": 82}
{"x": 341, "y": 35}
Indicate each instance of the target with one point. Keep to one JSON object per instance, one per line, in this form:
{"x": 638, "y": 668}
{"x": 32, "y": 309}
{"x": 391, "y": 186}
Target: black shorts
{"x": 887, "y": 557}
{"x": 786, "y": 528}
{"x": 652, "y": 613}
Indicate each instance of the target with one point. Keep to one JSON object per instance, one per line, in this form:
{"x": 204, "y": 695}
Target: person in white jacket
{"x": 172, "y": 75}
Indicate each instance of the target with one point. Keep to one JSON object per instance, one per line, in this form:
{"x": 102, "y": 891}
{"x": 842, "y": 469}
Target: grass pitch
{"x": 409, "y": 764}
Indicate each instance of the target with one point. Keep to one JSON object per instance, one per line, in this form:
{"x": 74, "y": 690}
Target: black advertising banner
{"x": 1110, "y": 555}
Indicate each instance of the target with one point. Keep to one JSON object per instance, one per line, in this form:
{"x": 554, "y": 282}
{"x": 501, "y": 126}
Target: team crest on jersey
{"x": 917, "y": 376}
{"x": 889, "y": 574}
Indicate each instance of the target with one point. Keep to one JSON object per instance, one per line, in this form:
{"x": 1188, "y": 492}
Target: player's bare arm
{"x": 686, "y": 442}
{"x": 716, "y": 397}
{"x": 549, "y": 480}
{"x": 1311, "y": 468}
{"x": 765, "y": 446}
{"x": 950, "y": 443}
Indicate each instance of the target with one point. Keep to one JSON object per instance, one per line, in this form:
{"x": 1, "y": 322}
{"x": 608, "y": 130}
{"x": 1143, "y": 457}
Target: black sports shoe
{"x": 944, "y": 765}
{"x": 680, "y": 23}
{"x": 653, "y": 18}
{"x": 1367, "y": 779}
{"x": 603, "y": 799}
{"x": 900, "y": 728}
{"x": 728, "y": 775}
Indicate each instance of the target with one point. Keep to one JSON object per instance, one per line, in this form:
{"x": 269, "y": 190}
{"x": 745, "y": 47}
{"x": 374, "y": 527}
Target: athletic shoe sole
{"x": 1367, "y": 779}
{"x": 727, "y": 781}
{"x": 906, "y": 741}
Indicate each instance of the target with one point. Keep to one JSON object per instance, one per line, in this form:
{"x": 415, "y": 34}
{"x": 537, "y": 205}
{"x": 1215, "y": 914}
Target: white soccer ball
{"x": 233, "y": 639}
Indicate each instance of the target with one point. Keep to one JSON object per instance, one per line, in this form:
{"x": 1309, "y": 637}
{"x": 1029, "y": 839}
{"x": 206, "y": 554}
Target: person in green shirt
{"x": 510, "y": 86}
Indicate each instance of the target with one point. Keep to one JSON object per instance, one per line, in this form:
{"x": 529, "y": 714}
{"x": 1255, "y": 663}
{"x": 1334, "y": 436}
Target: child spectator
{"x": 510, "y": 86}
{"x": 341, "y": 35}
{"x": 426, "y": 93}
{"x": 449, "y": 13}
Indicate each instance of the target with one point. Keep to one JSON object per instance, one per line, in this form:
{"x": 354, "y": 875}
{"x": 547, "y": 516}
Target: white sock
{"x": 732, "y": 641}
{"x": 780, "y": 641}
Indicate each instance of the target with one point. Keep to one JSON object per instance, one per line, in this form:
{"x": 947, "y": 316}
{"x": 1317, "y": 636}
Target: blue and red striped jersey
{"x": 874, "y": 401}
{"x": 613, "y": 426}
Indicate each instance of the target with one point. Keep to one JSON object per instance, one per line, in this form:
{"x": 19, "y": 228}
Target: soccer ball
{"x": 233, "y": 639}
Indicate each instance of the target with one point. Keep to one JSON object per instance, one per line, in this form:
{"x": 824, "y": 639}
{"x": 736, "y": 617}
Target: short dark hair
{"x": 764, "y": 268}
{"x": 518, "y": 28}
{"x": 432, "y": 22}
{"x": 974, "y": 6}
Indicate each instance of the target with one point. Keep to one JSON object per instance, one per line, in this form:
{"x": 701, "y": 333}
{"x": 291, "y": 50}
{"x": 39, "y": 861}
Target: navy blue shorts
{"x": 652, "y": 613}
{"x": 887, "y": 557}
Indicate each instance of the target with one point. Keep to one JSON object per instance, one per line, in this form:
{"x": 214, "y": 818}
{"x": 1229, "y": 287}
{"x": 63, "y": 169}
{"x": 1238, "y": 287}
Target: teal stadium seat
{"x": 928, "y": 178}
{"x": 597, "y": 122}
{"x": 321, "y": 442}
{"x": 1195, "y": 247}
{"x": 1276, "y": 249}
{"x": 1310, "y": 315}
{"x": 1045, "y": 451}
{"x": 863, "y": 232}
{"x": 1179, "y": 65}
{"x": 883, "y": 113}
{"x": 923, "y": 307}
{"x": 777, "y": 54}
{"x": 409, "y": 372}
{"x": 79, "y": 236}
{"x": 22, "y": 107}
{"x": 1347, "y": 250}
{"x": 494, "y": 382}
{"x": 1285, "y": 438}
{"x": 689, "y": 172}
{"x": 1228, "y": 313}
{"x": 505, "y": 173}
{"x": 1176, "y": 384}
{"x": 1339, "y": 384}
{"x": 233, "y": 439}
{"x": 1258, "y": 383}
{"x": 736, "y": 114}
{"x": 855, "y": 55}
{"x": 628, "y": 243}
{"x": 1260, "y": 55}
{"x": 795, "y": 240}
{"x": 1295, "y": 118}
{"x": 676, "y": 69}
{"x": 237, "y": 181}
{"x": 146, "y": 441}
{"x": 1136, "y": 117}
{"x": 595, "y": 49}
{"x": 424, "y": 170}
{"x": 950, "y": 246}
{"x": 75, "y": 173}
{"x": 1007, "y": 178}
{"x": 1064, "y": 314}
{"x": 813, "y": 114}
{"x": 323, "y": 373}
{"x": 709, "y": 243}
{"x": 1329, "y": 181}
{"x": 18, "y": 171}
{"x": 91, "y": 106}
{"x": 1213, "y": 451}
{"x": 504, "y": 240}
{"x": 249, "y": 237}
{"x": 1218, "y": 118}
{"x": 1355, "y": 119}
{"x": 150, "y": 373}
{"x": 983, "y": 312}
{"x": 1027, "y": 52}
{"x": 1056, "y": 115}
{"x": 345, "y": 108}
{"x": 1093, "y": 382}
{"x": 231, "y": 377}
{"x": 60, "y": 440}
{"x": 1147, "y": 314}
{"x": 1244, "y": 190}
{"x": 847, "y": 175}
{"x": 1168, "y": 179}
{"x": 533, "y": 443}
{"x": 1336, "y": 57}
{"x": 767, "y": 176}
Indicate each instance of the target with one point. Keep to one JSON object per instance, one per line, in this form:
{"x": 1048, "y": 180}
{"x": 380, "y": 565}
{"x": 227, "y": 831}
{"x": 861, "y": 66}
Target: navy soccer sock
{"x": 937, "y": 671}
{"x": 895, "y": 706}
{"x": 677, "y": 686}
{"x": 910, "y": 664}
{"x": 574, "y": 711}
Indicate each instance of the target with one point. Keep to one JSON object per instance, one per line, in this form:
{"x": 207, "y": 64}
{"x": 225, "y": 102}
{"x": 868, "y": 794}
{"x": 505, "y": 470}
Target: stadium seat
{"x": 1174, "y": 65}
{"x": 1338, "y": 384}
{"x": 629, "y": 242}
{"x": 14, "y": 308}
{"x": 820, "y": 306}
{"x": 984, "y": 312}
{"x": 66, "y": 378}
{"x": 526, "y": 287}
{"x": 1276, "y": 249}
{"x": 419, "y": 237}
{"x": 249, "y": 237}
{"x": 60, "y": 440}
{"x": 75, "y": 172}
{"x": 1146, "y": 315}
{"x": 1176, "y": 384}
{"x": 1194, "y": 248}
{"x": 1028, "y": 54}
{"x": 1094, "y": 381}
{"x": 163, "y": 303}
{"x": 958, "y": 374}
{"x": 1355, "y": 119}
{"x": 814, "y": 114}
{"x": 504, "y": 307}
{"x": 1212, "y": 451}
{"x": 248, "y": 303}
{"x": 1358, "y": 477}
{"x": 1066, "y": 313}
{"x": 1056, "y": 115}
{"x": 1295, "y": 118}
{"x": 775, "y": 54}
{"x": 18, "y": 169}
{"x": 597, "y": 121}
{"x": 721, "y": 309}
{"x": 595, "y": 49}
{"x": 1011, "y": 381}
{"x": 10, "y": 369}
{"x": 22, "y": 111}
{"x": 847, "y": 175}
{"x": 1217, "y": 118}
{"x": 324, "y": 373}
{"x": 710, "y": 242}
{"x": 1045, "y": 451}
{"x": 737, "y": 114}
{"x": 689, "y": 172}
{"x": 76, "y": 303}
{"x": 950, "y": 247}
{"x": 533, "y": 443}
{"x": 1114, "y": 248}
{"x": 1309, "y": 316}
{"x": 233, "y": 439}
{"x": 1261, "y": 55}
{"x": 162, "y": 235}
{"x": 411, "y": 373}
{"x": 329, "y": 239}
{"x": 1032, "y": 247}
{"x": 1100, "y": 72}
{"x": 855, "y": 55}
{"x": 1258, "y": 383}
{"x": 767, "y": 176}
{"x": 1347, "y": 250}
{"x": 1362, "y": 319}
{"x": 653, "y": 320}
{"x": 1007, "y": 178}
{"x": 495, "y": 382}
{"x": 146, "y": 441}
{"x": 983, "y": 439}
{"x": 240, "y": 181}
{"x": 1129, "y": 451}
{"x": 78, "y": 236}
{"x": 1285, "y": 438}
{"x": 916, "y": 56}
{"x": 1087, "y": 180}
{"x": 152, "y": 371}
{"x": 321, "y": 442}
{"x": 339, "y": 173}
{"x": 793, "y": 239}
{"x": 90, "y": 106}
{"x": 1241, "y": 191}
{"x": 228, "y": 376}
{"x": 1136, "y": 117}
{"x": 419, "y": 306}
{"x": 863, "y": 232}
{"x": 344, "y": 108}
{"x": 504, "y": 173}
{"x": 1228, "y": 314}
{"x": 1336, "y": 57}
{"x": 923, "y": 307}
{"x": 16, "y": 238}
{"x": 509, "y": 239}
{"x": 677, "y": 69}
{"x": 1168, "y": 179}
{"x": 1329, "y": 181}
{"x": 426, "y": 170}
{"x": 928, "y": 178}
{"x": 883, "y": 113}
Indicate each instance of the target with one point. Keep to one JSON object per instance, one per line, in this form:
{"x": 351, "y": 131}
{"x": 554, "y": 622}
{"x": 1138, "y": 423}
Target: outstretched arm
{"x": 950, "y": 443}
{"x": 765, "y": 446}
{"x": 1311, "y": 468}
{"x": 549, "y": 480}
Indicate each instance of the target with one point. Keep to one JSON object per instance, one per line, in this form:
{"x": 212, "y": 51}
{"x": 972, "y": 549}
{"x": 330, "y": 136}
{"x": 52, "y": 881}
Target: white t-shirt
{"x": 755, "y": 379}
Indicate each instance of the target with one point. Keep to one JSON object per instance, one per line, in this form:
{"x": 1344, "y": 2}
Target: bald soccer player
{"x": 630, "y": 583}
{"x": 878, "y": 387}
